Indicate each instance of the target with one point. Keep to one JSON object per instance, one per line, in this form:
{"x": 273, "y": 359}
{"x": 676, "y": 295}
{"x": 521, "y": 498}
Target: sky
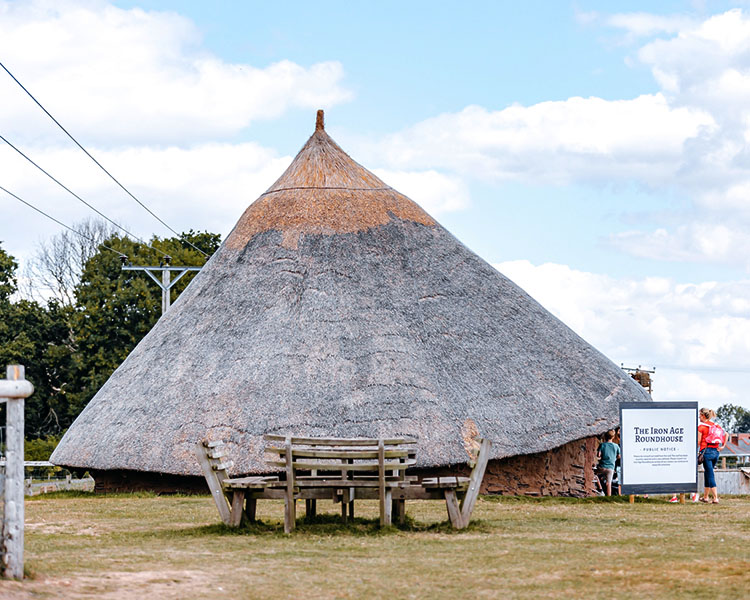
{"x": 600, "y": 159}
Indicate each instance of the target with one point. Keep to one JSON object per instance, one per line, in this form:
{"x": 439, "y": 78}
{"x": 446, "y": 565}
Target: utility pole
{"x": 166, "y": 282}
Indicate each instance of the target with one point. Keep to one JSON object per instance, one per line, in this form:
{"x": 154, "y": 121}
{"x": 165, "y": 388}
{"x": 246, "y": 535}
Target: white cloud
{"x": 691, "y": 139}
{"x": 641, "y": 24}
{"x": 685, "y": 330}
{"x": 204, "y": 187}
{"x": 694, "y": 242}
{"x": 436, "y": 192}
{"x": 117, "y": 76}
{"x": 695, "y": 388}
{"x": 146, "y": 98}
{"x": 579, "y": 139}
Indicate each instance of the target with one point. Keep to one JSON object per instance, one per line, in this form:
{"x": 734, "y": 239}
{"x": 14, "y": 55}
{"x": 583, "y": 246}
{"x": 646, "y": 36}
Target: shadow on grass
{"x": 78, "y": 494}
{"x": 326, "y": 526}
{"x": 569, "y": 500}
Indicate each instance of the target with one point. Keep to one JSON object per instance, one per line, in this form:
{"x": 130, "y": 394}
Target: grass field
{"x": 149, "y": 547}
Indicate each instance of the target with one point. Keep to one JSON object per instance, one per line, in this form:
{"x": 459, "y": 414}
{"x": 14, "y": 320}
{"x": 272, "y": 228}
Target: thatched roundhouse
{"x": 338, "y": 307}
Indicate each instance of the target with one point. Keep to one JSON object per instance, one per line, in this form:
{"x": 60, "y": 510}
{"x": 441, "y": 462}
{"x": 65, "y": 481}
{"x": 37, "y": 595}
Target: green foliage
{"x": 734, "y": 419}
{"x": 70, "y": 351}
{"x": 8, "y": 266}
{"x": 40, "y": 448}
{"x": 39, "y": 338}
{"x": 116, "y": 308}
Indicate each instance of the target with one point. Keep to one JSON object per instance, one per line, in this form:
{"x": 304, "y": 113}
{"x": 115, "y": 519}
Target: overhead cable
{"x": 717, "y": 369}
{"x": 72, "y": 193}
{"x": 112, "y": 177}
{"x": 86, "y": 237}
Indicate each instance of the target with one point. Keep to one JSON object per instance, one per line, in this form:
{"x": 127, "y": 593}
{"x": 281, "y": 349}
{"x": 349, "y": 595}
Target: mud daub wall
{"x": 564, "y": 471}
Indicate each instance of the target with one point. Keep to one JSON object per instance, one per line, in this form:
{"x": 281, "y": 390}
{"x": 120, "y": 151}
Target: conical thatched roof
{"x": 338, "y": 307}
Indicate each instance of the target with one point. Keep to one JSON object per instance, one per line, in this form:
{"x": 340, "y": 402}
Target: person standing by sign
{"x": 711, "y": 440}
{"x": 608, "y": 452}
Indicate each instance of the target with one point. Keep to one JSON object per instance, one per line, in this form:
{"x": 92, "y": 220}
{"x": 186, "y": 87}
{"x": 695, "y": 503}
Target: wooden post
{"x": 381, "y": 483}
{"x": 682, "y": 498}
{"x": 238, "y": 501}
{"x": 13, "y": 391}
{"x": 454, "y": 512}
{"x": 631, "y": 498}
{"x": 290, "y": 513}
{"x": 251, "y": 508}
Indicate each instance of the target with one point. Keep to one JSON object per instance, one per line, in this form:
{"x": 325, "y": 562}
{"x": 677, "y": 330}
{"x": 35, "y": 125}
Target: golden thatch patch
{"x": 324, "y": 192}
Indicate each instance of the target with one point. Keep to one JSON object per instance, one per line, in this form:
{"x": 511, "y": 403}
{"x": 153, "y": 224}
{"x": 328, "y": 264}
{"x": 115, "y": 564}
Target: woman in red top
{"x": 711, "y": 451}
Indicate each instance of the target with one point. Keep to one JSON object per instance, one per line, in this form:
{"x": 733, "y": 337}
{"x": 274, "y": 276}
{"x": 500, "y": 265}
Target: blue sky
{"x": 595, "y": 154}
{"x": 408, "y": 60}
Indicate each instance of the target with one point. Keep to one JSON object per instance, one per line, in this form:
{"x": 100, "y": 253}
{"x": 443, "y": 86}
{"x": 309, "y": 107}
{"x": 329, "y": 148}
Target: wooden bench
{"x": 341, "y": 470}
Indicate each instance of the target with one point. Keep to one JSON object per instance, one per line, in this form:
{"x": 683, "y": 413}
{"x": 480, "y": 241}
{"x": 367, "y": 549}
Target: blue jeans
{"x": 710, "y": 457}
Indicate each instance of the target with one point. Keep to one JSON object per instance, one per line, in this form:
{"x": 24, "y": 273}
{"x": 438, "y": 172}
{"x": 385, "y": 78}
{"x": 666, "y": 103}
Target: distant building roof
{"x": 738, "y": 445}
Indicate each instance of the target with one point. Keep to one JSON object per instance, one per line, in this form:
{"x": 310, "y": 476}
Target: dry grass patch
{"x": 124, "y": 546}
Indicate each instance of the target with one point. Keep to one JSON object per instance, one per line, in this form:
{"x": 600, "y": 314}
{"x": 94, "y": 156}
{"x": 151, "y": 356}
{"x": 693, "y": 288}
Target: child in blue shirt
{"x": 607, "y": 454}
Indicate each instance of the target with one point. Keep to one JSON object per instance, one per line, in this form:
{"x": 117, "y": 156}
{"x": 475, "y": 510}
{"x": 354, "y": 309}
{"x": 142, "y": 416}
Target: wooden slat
{"x": 341, "y": 453}
{"x": 214, "y": 480}
{"x": 249, "y": 482}
{"x": 446, "y": 482}
{"x": 475, "y": 481}
{"x": 362, "y": 466}
{"x": 216, "y": 453}
{"x": 213, "y": 443}
{"x": 222, "y": 466}
{"x": 344, "y": 483}
{"x": 313, "y": 441}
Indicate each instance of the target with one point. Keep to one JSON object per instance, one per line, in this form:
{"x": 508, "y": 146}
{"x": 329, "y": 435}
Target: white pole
{"x": 13, "y": 390}
{"x": 165, "y": 292}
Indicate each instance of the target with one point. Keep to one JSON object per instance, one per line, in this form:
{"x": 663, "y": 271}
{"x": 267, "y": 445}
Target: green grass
{"x": 124, "y": 546}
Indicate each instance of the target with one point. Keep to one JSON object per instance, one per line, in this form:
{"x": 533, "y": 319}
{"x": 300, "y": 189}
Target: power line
{"x": 85, "y": 237}
{"x": 97, "y": 162}
{"x": 98, "y": 212}
{"x": 729, "y": 369}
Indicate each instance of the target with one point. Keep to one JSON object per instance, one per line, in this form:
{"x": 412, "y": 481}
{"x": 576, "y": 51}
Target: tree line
{"x": 78, "y": 314}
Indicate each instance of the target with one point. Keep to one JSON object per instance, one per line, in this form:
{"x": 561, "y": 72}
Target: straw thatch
{"x": 338, "y": 307}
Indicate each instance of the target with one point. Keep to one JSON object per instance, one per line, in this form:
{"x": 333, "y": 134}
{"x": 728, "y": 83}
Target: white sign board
{"x": 659, "y": 445}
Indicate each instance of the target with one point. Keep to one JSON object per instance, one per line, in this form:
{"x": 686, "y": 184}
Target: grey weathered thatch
{"x": 338, "y": 307}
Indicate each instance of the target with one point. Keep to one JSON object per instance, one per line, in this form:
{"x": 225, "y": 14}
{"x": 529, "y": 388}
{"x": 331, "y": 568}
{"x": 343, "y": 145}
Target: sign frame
{"x": 657, "y": 488}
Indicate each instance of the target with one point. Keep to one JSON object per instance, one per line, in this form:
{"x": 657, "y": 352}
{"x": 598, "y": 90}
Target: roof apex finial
{"x": 319, "y": 122}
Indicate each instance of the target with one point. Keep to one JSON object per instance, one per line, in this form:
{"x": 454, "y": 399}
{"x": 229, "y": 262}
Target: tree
{"x": 71, "y": 347}
{"x": 734, "y": 419}
{"x": 115, "y": 308}
{"x": 55, "y": 269}
{"x": 8, "y": 266}
{"x": 37, "y": 337}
